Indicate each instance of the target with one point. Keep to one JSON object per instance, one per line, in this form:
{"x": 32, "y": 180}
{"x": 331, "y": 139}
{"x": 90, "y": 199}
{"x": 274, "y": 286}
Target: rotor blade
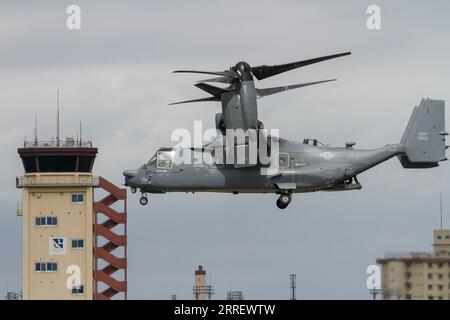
{"x": 215, "y": 91}
{"x": 196, "y": 100}
{"x": 219, "y": 79}
{"x": 268, "y": 91}
{"x": 262, "y": 72}
{"x": 226, "y": 73}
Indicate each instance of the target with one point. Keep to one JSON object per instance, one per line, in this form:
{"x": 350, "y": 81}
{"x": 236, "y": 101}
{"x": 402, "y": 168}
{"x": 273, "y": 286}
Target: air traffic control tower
{"x": 74, "y": 247}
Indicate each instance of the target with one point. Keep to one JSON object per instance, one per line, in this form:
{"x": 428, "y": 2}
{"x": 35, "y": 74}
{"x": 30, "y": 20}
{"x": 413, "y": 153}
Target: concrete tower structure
{"x": 61, "y": 229}
{"x": 201, "y": 290}
{"x": 57, "y": 213}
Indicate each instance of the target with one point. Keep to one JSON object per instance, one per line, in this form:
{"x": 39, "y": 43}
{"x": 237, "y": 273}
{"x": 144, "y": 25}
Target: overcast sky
{"x": 115, "y": 76}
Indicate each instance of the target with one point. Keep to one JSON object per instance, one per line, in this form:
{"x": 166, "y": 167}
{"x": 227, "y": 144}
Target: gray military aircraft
{"x": 294, "y": 167}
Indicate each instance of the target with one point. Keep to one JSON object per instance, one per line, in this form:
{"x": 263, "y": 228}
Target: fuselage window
{"x": 283, "y": 160}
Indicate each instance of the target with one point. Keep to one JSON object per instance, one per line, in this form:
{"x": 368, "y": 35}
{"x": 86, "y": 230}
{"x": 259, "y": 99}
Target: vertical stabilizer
{"x": 424, "y": 139}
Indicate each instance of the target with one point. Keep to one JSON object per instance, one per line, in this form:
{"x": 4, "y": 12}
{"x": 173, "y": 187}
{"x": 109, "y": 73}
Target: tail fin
{"x": 423, "y": 142}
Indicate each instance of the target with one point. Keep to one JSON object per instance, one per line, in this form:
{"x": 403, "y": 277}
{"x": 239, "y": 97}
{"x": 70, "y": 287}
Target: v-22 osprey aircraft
{"x": 305, "y": 166}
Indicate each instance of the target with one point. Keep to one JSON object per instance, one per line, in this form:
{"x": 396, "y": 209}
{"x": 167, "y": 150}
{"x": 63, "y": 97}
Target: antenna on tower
{"x": 57, "y": 117}
{"x": 81, "y": 133}
{"x": 440, "y": 198}
{"x": 35, "y": 131}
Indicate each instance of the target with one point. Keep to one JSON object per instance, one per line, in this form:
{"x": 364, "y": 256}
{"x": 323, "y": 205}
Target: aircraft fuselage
{"x": 302, "y": 168}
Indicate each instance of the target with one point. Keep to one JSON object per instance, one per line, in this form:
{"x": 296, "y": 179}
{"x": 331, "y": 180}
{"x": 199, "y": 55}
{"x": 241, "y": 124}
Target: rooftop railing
{"x": 67, "y": 143}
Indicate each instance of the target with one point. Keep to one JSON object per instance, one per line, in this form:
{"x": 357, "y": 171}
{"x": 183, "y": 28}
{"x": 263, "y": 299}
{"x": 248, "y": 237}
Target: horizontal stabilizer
{"x": 268, "y": 91}
{"x": 416, "y": 165}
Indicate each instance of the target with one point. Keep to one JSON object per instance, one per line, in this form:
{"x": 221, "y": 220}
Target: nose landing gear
{"x": 284, "y": 200}
{"x": 143, "y": 200}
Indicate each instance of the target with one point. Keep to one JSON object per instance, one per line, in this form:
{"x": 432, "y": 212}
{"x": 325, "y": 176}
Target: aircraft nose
{"x": 130, "y": 173}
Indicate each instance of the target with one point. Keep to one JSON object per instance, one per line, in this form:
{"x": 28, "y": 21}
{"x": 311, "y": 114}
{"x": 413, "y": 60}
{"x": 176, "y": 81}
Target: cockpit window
{"x": 164, "y": 159}
{"x": 152, "y": 161}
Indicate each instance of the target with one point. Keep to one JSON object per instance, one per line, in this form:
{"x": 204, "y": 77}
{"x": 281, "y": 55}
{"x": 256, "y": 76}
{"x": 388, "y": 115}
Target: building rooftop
{"x": 429, "y": 258}
{"x": 441, "y": 244}
{"x": 200, "y": 271}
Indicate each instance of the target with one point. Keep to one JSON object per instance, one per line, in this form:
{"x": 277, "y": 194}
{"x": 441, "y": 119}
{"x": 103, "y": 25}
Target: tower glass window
{"x": 85, "y": 164}
{"x": 52, "y": 266}
{"x": 46, "y": 221}
{"x": 46, "y": 266}
{"x": 57, "y": 163}
{"x": 78, "y": 198}
{"x": 77, "y": 244}
{"x": 39, "y": 267}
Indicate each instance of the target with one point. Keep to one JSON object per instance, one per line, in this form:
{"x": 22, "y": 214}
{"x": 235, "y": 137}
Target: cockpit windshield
{"x": 163, "y": 159}
{"x": 152, "y": 161}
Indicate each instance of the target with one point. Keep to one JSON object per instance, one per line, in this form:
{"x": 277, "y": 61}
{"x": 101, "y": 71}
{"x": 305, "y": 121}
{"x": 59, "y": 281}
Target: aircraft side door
{"x": 201, "y": 169}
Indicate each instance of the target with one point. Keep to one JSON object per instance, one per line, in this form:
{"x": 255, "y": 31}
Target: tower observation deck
{"x": 58, "y": 156}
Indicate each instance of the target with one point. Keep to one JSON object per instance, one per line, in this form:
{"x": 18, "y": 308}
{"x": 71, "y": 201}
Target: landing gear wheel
{"x": 280, "y": 205}
{"x": 143, "y": 200}
{"x": 133, "y": 190}
{"x": 284, "y": 200}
